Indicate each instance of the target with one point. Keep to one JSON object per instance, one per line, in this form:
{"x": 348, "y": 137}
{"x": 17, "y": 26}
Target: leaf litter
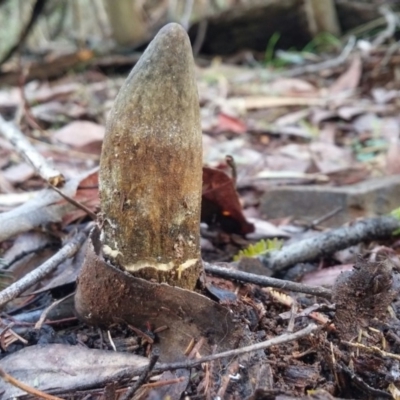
{"x": 333, "y": 128}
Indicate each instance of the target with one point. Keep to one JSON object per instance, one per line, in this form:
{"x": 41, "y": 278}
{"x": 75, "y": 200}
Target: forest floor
{"x": 297, "y": 137}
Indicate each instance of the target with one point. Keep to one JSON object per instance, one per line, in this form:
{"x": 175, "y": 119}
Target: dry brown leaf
{"x": 368, "y": 122}
{"x": 285, "y": 162}
{"x": 350, "y": 79}
{"x": 391, "y": 129}
{"x": 393, "y": 159}
{"x": 83, "y": 135}
{"x": 228, "y": 123}
{"x": 329, "y": 157}
{"x": 45, "y": 92}
{"x": 292, "y": 118}
{"x": 326, "y": 276}
{"x": 55, "y": 111}
{"x": 59, "y": 366}
{"x": 349, "y": 175}
{"x": 265, "y": 229}
{"x": 292, "y": 87}
{"x": 18, "y": 173}
{"x": 87, "y": 194}
{"x": 220, "y": 203}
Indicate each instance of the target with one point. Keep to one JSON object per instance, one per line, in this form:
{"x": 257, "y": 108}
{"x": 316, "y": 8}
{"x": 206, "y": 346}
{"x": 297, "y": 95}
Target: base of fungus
{"x": 160, "y": 266}
{"x": 162, "y": 272}
{"x": 106, "y": 295}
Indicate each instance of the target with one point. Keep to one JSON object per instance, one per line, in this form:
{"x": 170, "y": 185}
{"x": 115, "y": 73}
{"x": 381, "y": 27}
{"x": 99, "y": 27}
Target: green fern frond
{"x": 260, "y": 248}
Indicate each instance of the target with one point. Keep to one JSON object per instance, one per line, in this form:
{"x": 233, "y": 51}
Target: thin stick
{"x": 163, "y": 383}
{"x": 230, "y": 161}
{"x": 40, "y": 322}
{"x": 28, "y": 389}
{"x": 111, "y": 340}
{"x": 143, "y": 376}
{"x": 325, "y": 217}
{"x": 17, "y": 288}
{"x": 75, "y": 203}
{"x": 266, "y": 281}
{"x": 30, "y": 154}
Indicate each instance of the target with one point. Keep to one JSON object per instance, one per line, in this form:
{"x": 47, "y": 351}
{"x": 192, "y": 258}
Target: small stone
{"x": 370, "y": 198}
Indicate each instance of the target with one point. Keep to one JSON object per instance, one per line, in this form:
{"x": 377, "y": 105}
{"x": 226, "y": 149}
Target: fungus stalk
{"x": 151, "y": 167}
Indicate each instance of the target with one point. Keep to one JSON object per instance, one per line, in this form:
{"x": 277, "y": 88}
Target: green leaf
{"x": 260, "y": 248}
{"x": 396, "y": 214}
{"x": 270, "y": 50}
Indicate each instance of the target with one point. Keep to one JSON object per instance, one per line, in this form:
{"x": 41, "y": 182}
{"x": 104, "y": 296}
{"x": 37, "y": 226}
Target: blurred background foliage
{"x": 220, "y": 26}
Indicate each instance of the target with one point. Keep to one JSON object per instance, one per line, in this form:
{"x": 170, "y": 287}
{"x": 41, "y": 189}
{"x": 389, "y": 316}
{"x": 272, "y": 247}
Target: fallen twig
{"x": 30, "y": 154}
{"x": 285, "y": 338}
{"x": 75, "y": 203}
{"x": 69, "y": 250}
{"x": 143, "y": 376}
{"x": 327, "y": 243}
{"x": 266, "y": 281}
{"x": 42, "y": 318}
{"x": 325, "y": 217}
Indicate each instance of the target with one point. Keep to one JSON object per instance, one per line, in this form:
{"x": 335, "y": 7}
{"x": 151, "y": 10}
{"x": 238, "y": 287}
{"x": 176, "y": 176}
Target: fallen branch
{"x": 30, "y": 154}
{"x": 261, "y": 280}
{"x": 327, "y": 243}
{"x": 17, "y": 288}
